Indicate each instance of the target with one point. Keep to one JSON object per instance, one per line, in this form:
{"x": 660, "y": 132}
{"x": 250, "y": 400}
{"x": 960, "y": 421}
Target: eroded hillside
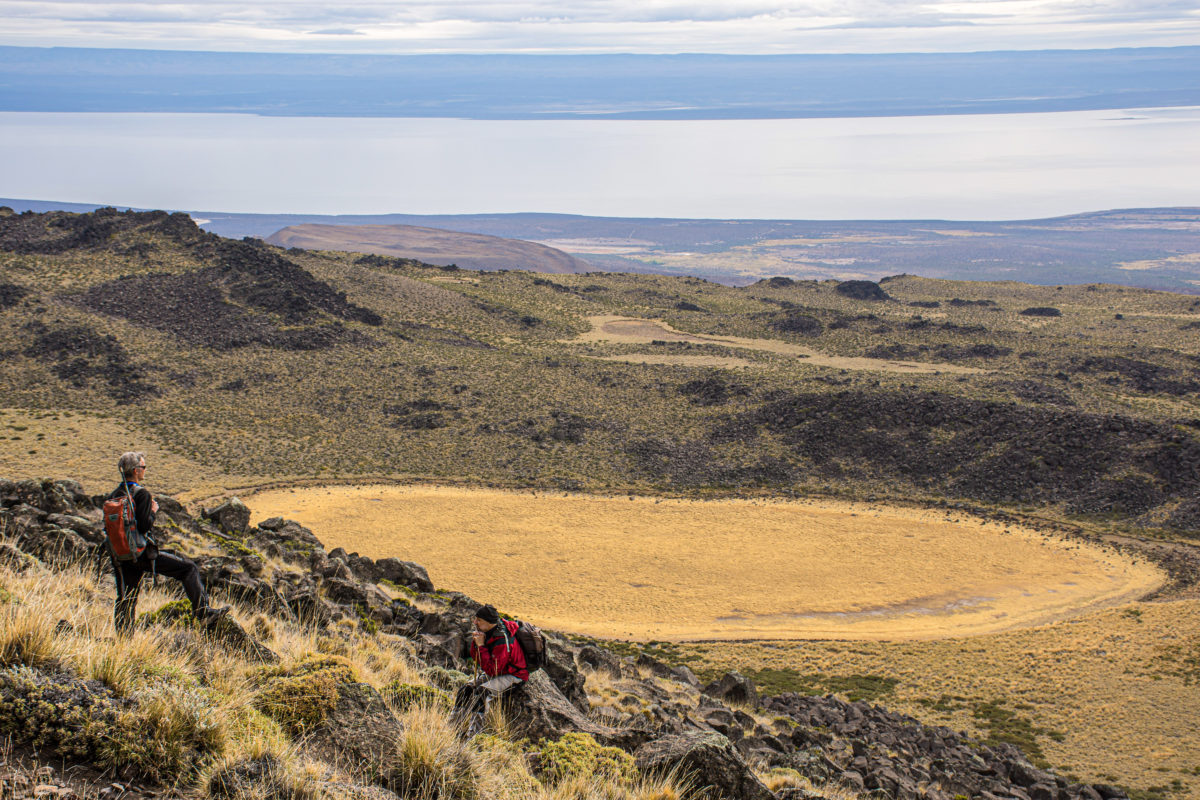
{"x": 257, "y": 364}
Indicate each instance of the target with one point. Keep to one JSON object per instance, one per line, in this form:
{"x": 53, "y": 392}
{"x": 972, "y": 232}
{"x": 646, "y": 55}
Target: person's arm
{"x": 144, "y": 509}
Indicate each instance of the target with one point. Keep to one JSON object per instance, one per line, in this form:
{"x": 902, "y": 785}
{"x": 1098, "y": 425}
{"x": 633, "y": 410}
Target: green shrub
{"x": 406, "y": 695}
{"x": 578, "y": 755}
{"x": 301, "y": 695}
{"x": 54, "y": 711}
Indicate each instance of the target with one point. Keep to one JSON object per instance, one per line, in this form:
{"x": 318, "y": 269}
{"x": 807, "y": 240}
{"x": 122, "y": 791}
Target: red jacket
{"x": 500, "y": 654}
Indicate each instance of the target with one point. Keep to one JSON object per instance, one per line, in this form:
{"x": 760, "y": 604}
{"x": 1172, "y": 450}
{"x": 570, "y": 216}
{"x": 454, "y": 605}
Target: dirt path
{"x": 630, "y": 330}
{"x": 735, "y": 569}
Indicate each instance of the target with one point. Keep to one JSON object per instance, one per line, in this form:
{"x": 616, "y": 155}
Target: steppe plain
{"x": 1068, "y": 411}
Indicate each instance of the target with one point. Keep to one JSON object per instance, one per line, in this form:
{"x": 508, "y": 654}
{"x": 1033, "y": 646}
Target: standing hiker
{"x": 498, "y": 656}
{"x": 134, "y": 552}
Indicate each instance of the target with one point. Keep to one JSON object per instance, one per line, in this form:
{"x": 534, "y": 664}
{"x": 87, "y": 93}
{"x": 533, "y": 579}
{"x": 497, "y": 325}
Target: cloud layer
{"x": 648, "y": 26}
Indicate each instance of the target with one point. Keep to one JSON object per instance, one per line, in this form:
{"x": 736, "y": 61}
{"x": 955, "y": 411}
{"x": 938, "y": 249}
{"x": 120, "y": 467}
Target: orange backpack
{"x": 120, "y": 523}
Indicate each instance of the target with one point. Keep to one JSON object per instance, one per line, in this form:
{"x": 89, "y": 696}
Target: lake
{"x": 988, "y": 166}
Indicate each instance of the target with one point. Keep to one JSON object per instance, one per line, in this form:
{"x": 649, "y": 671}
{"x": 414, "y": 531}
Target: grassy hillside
{"x": 246, "y": 362}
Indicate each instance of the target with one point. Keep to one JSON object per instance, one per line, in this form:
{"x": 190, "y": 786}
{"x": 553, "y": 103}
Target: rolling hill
{"x": 432, "y": 246}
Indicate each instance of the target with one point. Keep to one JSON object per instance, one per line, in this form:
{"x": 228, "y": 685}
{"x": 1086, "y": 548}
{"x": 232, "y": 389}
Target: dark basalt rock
{"x": 288, "y": 540}
{"x": 540, "y": 711}
{"x": 868, "y": 747}
{"x": 83, "y": 358}
{"x": 794, "y": 322}
{"x": 361, "y": 730}
{"x": 404, "y": 573}
{"x": 1041, "y": 311}
{"x": 708, "y": 759}
{"x": 733, "y": 687}
{"x": 231, "y": 516}
{"x": 862, "y": 290}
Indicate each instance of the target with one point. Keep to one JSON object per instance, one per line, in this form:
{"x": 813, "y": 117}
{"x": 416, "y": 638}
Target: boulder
{"x": 14, "y": 559}
{"x": 89, "y": 529}
{"x": 598, "y": 659}
{"x": 539, "y": 710}
{"x": 734, "y": 688}
{"x": 685, "y": 676}
{"x": 232, "y": 577}
{"x": 286, "y": 539}
{"x": 404, "y": 573}
{"x": 301, "y": 594}
{"x": 360, "y": 730}
{"x": 232, "y": 516}
{"x": 708, "y": 759}
{"x": 560, "y": 667}
{"x": 58, "y": 546}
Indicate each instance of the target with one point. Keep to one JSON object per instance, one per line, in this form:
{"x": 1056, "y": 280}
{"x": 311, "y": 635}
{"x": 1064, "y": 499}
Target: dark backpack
{"x": 533, "y": 645}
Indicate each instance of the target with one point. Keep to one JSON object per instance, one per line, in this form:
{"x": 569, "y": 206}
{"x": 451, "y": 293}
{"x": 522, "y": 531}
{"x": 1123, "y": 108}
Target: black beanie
{"x": 488, "y": 614}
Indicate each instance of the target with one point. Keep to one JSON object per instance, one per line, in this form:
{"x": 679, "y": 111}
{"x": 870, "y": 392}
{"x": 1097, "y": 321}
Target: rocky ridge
{"x": 723, "y": 734}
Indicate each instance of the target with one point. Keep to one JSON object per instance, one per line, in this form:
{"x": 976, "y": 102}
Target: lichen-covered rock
{"x": 598, "y": 659}
{"x": 404, "y": 573}
{"x": 708, "y": 759}
{"x": 734, "y": 687}
{"x": 560, "y": 667}
{"x": 361, "y": 729}
{"x": 286, "y": 539}
{"x": 232, "y": 516}
{"x": 14, "y": 559}
{"x": 539, "y": 711}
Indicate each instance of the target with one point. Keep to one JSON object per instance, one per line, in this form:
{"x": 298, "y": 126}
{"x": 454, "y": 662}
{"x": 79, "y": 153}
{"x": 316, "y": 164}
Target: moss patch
{"x": 176, "y": 612}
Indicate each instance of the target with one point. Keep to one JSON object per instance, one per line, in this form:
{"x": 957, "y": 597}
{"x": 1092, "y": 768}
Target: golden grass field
{"x": 664, "y": 569}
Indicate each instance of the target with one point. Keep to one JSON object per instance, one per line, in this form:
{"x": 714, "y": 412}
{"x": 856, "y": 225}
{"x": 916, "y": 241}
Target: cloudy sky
{"x": 598, "y": 26}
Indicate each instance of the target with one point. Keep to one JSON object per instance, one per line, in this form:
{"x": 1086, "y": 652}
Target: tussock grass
{"x": 180, "y": 710}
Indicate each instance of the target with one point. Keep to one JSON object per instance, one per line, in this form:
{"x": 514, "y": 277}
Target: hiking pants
{"x": 129, "y": 579}
{"x": 477, "y": 696}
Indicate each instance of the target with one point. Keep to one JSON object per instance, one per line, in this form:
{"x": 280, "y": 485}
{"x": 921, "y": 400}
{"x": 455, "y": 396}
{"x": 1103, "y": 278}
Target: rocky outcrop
{"x": 540, "y": 711}
{"x": 231, "y": 516}
{"x": 734, "y": 688}
{"x": 708, "y": 760}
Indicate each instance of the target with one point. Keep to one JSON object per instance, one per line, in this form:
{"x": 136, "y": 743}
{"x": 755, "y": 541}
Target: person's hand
{"x": 153, "y": 505}
{"x": 477, "y": 638}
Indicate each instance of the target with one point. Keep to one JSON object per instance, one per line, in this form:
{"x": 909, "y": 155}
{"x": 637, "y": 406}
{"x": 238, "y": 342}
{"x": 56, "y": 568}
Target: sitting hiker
{"x": 145, "y": 556}
{"x": 497, "y": 654}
